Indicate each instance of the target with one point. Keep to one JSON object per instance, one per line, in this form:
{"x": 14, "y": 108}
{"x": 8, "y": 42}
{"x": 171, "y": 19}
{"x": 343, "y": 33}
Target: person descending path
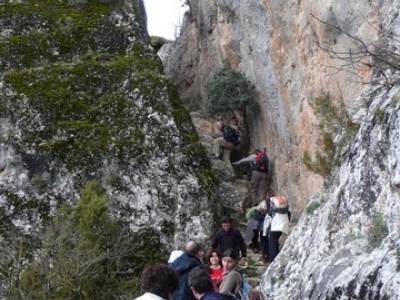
{"x": 276, "y": 223}
{"x": 255, "y": 218}
{"x": 230, "y": 238}
{"x": 259, "y": 175}
{"x": 183, "y": 265}
{"x": 229, "y": 140}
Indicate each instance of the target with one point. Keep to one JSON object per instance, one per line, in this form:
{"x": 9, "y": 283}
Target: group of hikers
{"x": 186, "y": 277}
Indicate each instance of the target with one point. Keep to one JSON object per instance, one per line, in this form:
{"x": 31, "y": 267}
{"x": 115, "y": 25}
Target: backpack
{"x": 231, "y": 135}
{"x": 262, "y": 162}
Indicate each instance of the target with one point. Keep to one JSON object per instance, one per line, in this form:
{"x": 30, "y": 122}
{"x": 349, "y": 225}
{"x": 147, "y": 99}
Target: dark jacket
{"x": 183, "y": 265}
{"x": 231, "y": 239}
{"x": 213, "y": 296}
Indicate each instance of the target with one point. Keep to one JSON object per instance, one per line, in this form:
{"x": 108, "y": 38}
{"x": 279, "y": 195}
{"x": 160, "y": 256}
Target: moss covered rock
{"x": 83, "y": 97}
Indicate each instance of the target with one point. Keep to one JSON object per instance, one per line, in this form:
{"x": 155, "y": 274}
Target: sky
{"x": 164, "y": 17}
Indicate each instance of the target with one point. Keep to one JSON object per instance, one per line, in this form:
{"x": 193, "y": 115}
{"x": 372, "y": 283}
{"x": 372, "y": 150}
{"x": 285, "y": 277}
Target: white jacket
{"x": 149, "y": 296}
{"x": 279, "y": 222}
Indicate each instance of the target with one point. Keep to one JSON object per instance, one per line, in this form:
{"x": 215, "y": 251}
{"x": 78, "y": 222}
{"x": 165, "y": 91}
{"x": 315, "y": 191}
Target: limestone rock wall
{"x": 83, "y": 97}
{"x": 346, "y": 243}
{"x": 277, "y": 44}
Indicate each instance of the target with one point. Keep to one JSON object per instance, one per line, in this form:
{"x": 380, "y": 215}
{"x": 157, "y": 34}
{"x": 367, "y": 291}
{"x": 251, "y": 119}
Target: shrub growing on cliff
{"x": 87, "y": 254}
{"x": 377, "y": 231}
{"x": 229, "y": 91}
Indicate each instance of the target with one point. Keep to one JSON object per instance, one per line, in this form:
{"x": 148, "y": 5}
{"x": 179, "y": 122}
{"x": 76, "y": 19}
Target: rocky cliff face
{"x": 278, "y": 46}
{"x": 319, "y": 116}
{"x": 347, "y": 243}
{"x": 83, "y": 97}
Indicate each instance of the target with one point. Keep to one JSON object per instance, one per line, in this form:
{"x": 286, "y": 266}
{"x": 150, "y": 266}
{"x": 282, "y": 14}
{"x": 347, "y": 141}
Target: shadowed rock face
{"x": 83, "y": 97}
{"x": 346, "y": 243}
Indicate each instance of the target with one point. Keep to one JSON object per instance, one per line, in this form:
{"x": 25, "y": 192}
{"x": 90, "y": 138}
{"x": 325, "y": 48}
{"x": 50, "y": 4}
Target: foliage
{"x": 378, "y": 230}
{"x": 86, "y": 254}
{"x": 334, "y": 121}
{"x": 229, "y": 91}
{"x": 312, "y": 207}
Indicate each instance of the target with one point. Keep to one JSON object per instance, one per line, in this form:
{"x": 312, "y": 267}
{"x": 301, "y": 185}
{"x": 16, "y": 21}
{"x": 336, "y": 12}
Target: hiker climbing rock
{"x": 227, "y": 142}
{"x": 276, "y": 223}
{"x": 230, "y": 238}
{"x": 259, "y": 162}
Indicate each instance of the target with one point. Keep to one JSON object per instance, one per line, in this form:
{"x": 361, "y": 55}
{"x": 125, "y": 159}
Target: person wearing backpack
{"x": 276, "y": 222}
{"x": 258, "y": 182}
{"x": 229, "y": 140}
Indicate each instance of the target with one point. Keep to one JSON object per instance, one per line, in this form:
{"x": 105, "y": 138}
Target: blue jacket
{"x": 183, "y": 265}
{"x": 212, "y": 296}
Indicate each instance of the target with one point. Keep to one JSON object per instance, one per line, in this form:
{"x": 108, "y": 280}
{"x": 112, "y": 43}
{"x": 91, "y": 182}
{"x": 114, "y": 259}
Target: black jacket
{"x": 231, "y": 239}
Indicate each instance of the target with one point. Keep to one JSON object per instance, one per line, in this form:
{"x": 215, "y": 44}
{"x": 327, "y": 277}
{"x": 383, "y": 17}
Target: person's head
{"x": 193, "y": 249}
{"x": 199, "y": 281}
{"x": 160, "y": 280}
{"x": 262, "y": 207}
{"x": 270, "y": 194}
{"x": 219, "y": 125}
{"x": 257, "y": 151}
{"x": 229, "y": 258}
{"x": 226, "y": 223}
{"x": 214, "y": 258}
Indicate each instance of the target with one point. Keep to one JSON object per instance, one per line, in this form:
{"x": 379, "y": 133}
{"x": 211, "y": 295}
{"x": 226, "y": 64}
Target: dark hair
{"x": 210, "y": 254}
{"x": 226, "y": 219}
{"x": 230, "y": 253}
{"x": 160, "y": 280}
{"x": 200, "y": 280}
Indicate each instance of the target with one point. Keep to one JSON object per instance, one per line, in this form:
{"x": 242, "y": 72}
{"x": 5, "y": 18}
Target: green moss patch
{"x": 49, "y": 30}
{"x": 84, "y": 109}
{"x": 334, "y": 122}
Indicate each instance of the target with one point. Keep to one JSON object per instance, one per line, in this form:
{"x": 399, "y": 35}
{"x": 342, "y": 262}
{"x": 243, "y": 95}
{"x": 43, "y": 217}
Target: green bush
{"x": 377, "y": 231}
{"x": 87, "y": 254}
{"x": 312, "y": 207}
{"x": 229, "y": 91}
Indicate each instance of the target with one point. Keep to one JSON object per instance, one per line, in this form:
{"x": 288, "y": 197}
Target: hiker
{"x": 183, "y": 265}
{"x": 174, "y": 255}
{"x": 276, "y": 223}
{"x": 215, "y": 268}
{"x": 255, "y": 218}
{"x": 158, "y": 283}
{"x": 232, "y": 279}
{"x": 201, "y": 285}
{"x": 258, "y": 182}
{"x": 229, "y": 140}
{"x": 230, "y": 238}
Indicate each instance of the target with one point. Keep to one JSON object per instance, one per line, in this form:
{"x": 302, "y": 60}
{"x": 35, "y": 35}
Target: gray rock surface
{"x": 346, "y": 244}
{"x": 83, "y": 98}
